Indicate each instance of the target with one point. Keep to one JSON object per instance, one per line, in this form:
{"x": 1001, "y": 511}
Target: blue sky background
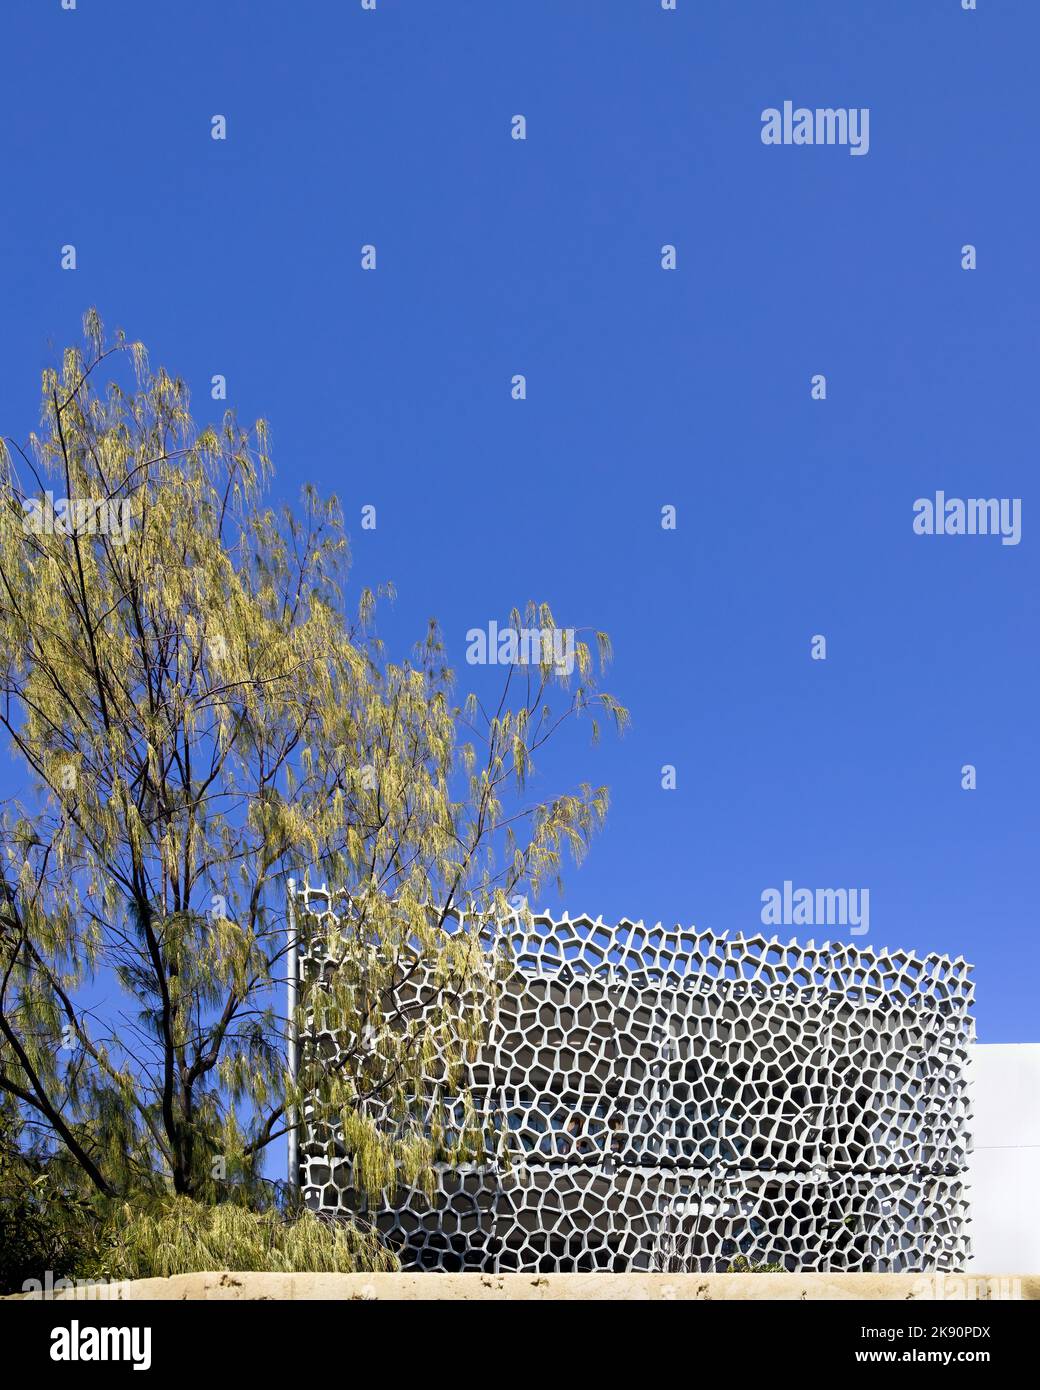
{"x": 644, "y": 387}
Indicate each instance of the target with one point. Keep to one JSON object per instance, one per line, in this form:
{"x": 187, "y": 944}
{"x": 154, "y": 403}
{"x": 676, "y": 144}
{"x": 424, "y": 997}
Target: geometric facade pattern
{"x": 682, "y": 1101}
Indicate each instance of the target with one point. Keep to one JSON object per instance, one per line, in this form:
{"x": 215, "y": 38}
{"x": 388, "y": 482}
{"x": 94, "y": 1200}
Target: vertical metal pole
{"x": 292, "y": 958}
{"x": 497, "y": 1167}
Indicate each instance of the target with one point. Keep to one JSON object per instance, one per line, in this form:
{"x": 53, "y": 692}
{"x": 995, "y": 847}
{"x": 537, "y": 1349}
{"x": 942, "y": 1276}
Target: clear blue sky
{"x": 645, "y": 387}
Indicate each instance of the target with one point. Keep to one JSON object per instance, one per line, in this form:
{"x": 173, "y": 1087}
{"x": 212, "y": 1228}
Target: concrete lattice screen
{"x": 673, "y": 1100}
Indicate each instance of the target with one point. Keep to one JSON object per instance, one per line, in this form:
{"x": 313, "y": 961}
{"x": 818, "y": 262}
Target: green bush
{"x": 742, "y": 1265}
{"x": 42, "y": 1227}
{"x": 47, "y": 1225}
{"x": 179, "y": 1236}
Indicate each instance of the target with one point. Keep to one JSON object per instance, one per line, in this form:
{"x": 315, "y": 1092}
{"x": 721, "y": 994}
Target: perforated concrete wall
{"x": 671, "y": 1100}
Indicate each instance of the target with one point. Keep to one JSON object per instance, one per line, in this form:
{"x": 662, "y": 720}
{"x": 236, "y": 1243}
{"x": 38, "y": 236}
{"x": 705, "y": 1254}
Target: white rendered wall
{"x": 1004, "y": 1170}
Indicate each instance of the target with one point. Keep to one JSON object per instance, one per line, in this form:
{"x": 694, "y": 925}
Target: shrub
{"x": 42, "y": 1227}
{"x": 179, "y": 1236}
{"x": 742, "y": 1265}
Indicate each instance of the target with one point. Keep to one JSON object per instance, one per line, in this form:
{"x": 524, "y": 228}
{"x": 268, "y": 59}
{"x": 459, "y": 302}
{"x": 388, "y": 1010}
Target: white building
{"x": 668, "y": 1099}
{"x": 1004, "y": 1167}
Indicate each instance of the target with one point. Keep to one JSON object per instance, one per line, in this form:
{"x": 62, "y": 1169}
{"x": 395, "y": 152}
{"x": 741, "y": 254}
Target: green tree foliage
{"x": 45, "y": 1227}
{"x": 42, "y": 1225}
{"x": 198, "y": 715}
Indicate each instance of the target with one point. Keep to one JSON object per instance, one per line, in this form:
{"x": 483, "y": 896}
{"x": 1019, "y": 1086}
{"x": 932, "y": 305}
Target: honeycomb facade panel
{"x": 672, "y": 1100}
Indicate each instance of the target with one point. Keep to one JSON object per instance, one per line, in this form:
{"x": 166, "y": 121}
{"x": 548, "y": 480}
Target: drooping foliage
{"x": 194, "y": 714}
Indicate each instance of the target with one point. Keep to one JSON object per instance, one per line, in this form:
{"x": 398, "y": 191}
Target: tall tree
{"x": 197, "y": 716}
